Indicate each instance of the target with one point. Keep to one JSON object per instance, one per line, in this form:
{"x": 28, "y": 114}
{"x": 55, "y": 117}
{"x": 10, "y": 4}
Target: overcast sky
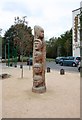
{"x": 55, "y": 16}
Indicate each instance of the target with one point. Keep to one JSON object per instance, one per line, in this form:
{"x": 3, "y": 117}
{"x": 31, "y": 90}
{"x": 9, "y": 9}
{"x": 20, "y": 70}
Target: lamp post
{"x": 14, "y": 51}
{"x": 8, "y": 54}
{"x": 5, "y": 52}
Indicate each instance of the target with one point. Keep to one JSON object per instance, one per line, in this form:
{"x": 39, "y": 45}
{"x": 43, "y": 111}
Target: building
{"x": 76, "y": 30}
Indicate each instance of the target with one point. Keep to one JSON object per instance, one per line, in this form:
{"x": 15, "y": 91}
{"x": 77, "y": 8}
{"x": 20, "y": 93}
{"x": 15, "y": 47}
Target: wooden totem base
{"x": 39, "y": 89}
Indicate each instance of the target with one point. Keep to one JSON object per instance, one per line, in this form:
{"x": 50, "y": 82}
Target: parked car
{"x": 70, "y": 61}
{"x": 58, "y": 59}
{"x": 30, "y": 61}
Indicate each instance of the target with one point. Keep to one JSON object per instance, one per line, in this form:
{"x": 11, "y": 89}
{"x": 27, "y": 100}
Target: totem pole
{"x": 39, "y": 57}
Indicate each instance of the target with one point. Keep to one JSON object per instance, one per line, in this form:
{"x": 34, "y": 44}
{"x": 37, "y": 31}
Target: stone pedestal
{"x": 39, "y": 57}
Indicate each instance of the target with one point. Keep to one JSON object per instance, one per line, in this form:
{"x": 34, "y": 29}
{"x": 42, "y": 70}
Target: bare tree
{"x": 23, "y": 38}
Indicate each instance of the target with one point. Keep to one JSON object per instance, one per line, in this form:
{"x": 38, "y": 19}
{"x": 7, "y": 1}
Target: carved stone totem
{"x": 39, "y": 57}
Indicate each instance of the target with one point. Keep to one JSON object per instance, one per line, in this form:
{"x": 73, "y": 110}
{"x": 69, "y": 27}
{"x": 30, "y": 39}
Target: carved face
{"x": 37, "y": 68}
{"x": 38, "y": 45}
{"x": 41, "y": 36}
{"x": 38, "y": 32}
{"x": 38, "y": 56}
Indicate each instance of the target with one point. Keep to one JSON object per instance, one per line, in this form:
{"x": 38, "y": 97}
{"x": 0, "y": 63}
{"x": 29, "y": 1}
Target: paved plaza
{"x": 61, "y": 100}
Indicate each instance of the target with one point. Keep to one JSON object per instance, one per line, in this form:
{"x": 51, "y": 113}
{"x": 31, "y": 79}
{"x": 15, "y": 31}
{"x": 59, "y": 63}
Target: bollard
{"x": 62, "y": 72}
{"x": 15, "y": 65}
{"x": 48, "y": 69}
{"x": 21, "y": 66}
{"x": 11, "y": 65}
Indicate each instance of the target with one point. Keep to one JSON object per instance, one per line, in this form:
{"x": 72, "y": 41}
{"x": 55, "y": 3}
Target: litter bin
{"x": 48, "y": 69}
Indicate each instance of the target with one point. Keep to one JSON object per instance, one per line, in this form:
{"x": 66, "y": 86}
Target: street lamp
{"x": 14, "y": 51}
{"x": 8, "y": 52}
{"x": 5, "y": 51}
